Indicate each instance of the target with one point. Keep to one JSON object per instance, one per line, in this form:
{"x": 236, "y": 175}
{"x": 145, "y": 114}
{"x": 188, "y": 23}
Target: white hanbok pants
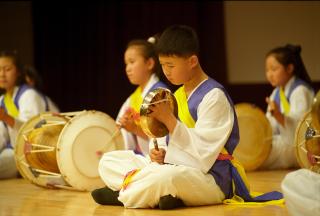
{"x": 282, "y": 155}
{"x": 153, "y": 181}
{"x": 8, "y": 167}
{"x": 301, "y": 190}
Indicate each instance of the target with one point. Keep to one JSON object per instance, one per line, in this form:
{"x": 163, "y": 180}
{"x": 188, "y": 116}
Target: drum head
{"x": 79, "y": 141}
{"x": 307, "y": 145}
{"x": 25, "y": 169}
{"x": 82, "y": 136}
{"x": 255, "y": 136}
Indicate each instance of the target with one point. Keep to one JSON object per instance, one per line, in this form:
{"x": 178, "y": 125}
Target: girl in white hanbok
{"x": 289, "y": 101}
{"x": 18, "y": 104}
{"x": 143, "y": 70}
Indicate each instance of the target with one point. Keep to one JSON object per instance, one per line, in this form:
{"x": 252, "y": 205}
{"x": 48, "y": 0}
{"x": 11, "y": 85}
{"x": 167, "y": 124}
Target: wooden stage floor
{"x": 20, "y": 197}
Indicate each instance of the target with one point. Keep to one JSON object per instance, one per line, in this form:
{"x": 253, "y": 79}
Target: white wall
{"x": 252, "y": 28}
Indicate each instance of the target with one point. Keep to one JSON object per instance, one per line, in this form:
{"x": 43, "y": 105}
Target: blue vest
{"x": 221, "y": 169}
{"x": 20, "y": 92}
{"x": 158, "y": 84}
{"x": 297, "y": 82}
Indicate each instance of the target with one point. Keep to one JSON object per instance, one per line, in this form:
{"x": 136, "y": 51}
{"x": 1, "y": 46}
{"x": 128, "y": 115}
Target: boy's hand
{"x": 164, "y": 113}
{"x": 157, "y": 155}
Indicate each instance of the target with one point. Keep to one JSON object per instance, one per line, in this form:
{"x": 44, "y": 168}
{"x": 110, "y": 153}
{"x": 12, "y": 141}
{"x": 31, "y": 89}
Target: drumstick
{"x": 156, "y": 102}
{"x": 271, "y": 108}
{"x": 115, "y": 134}
{"x": 155, "y": 143}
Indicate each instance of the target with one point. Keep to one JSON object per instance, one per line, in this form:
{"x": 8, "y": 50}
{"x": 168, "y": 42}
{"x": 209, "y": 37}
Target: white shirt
{"x": 30, "y": 103}
{"x": 200, "y": 146}
{"x": 301, "y": 100}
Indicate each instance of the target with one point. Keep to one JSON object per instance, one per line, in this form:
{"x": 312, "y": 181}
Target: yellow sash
{"x": 183, "y": 109}
{"x": 11, "y": 107}
{"x": 284, "y": 102}
{"x": 136, "y": 99}
{"x": 128, "y": 178}
{"x": 186, "y": 118}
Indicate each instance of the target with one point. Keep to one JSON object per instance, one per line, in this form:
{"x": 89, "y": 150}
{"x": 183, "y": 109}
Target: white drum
{"x": 63, "y": 150}
{"x": 255, "y": 136}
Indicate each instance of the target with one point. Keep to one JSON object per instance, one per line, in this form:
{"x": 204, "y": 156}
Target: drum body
{"x": 307, "y": 142}
{"x": 71, "y": 162}
{"x": 255, "y": 136}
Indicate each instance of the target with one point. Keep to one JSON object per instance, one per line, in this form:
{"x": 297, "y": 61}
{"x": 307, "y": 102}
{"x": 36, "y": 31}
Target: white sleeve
{"x": 123, "y": 108}
{"x": 128, "y": 138}
{"x": 301, "y": 100}
{"x": 31, "y": 103}
{"x": 200, "y": 146}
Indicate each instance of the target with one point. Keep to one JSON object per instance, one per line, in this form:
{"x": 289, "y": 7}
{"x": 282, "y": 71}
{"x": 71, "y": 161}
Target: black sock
{"x": 106, "y": 196}
{"x": 170, "y": 202}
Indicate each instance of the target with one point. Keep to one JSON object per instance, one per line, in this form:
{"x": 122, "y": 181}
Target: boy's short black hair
{"x": 178, "y": 40}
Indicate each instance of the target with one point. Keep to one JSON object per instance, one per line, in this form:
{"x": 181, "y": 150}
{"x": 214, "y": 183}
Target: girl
{"x": 143, "y": 69}
{"x": 291, "y": 98}
{"x": 18, "y": 104}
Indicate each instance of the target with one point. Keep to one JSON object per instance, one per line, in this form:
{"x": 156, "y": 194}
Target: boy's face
{"x": 177, "y": 69}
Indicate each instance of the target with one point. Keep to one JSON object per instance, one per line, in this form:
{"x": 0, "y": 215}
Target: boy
{"x": 195, "y": 167}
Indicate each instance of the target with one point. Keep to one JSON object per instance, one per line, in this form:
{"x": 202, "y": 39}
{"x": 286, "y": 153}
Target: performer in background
{"x": 301, "y": 187}
{"x": 143, "y": 70}
{"x": 18, "y": 104}
{"x": 291, "y": 98}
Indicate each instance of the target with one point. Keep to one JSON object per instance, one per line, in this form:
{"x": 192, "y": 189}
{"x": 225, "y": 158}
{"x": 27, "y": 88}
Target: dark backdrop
{"x": 79, "y": 48}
